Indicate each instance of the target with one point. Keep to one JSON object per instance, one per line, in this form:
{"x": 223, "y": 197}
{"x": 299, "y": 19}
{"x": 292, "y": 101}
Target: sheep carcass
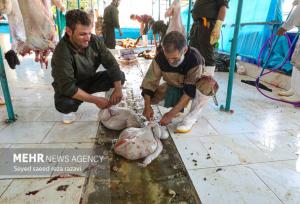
{"x": 175, "y": 19}
{"x": 39, "y": 29}
{"x": 32, "y": 28}
{"x": 116, "y": 118}
{"x": 137, "y": 143}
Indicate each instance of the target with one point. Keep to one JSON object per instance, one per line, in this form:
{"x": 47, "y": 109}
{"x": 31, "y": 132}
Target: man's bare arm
{"x": 101, "y": 102}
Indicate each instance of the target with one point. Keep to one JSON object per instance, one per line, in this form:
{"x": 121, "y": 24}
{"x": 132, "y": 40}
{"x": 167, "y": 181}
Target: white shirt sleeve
{"x": 293, "y": 20}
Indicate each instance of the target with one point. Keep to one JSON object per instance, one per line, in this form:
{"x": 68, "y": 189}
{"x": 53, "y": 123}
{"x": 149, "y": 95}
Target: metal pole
{"x": 233, "y": 52}
{"x": 158, "y": 9}
{"x": 189, "y": 19}
{"x": 152, "y": 8}
{"x": 58, "y": 22}
{"x": 5, "y": 89}
{"x": 78, "y": 4}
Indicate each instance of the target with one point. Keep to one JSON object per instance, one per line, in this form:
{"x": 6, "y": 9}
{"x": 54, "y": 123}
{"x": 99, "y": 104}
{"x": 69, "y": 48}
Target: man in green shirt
{"x": 110, "y": 22}
{"x": 208, "y": 16}
{"x": 74, "y": 63}
{"x": 160, "y": 28}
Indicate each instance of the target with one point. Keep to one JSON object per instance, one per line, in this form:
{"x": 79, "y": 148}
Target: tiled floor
{"x": 249, "y": 156}
{"x": 18, "y": 191}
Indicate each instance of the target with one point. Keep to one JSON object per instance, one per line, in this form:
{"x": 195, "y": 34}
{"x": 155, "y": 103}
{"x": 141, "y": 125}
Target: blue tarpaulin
{"x": 4, "y": 28}
{"x": 252, "y": 37}
{"x": 133, "y": 33}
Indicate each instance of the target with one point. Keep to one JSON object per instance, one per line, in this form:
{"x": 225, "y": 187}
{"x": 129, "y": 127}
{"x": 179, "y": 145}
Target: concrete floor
{"x": 250, "y": 156}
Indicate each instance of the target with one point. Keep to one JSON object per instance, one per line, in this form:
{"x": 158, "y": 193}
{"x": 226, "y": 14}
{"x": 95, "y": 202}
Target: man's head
{"x": 174, "y": 47}
{"x": 133, "y": 16}
{"x": 78, "y": 28}
{"x": 116, "y": 2}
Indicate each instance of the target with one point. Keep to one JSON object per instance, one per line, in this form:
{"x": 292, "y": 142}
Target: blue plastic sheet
{"x": 133, "y": 33}
{"x": 4, "y": 28}
{"x": 184, "y": 16}
{"x": 252, "y": 37}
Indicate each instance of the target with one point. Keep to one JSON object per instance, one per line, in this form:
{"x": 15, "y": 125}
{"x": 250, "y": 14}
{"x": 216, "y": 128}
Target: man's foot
{"x": 286, "y": 93}
{"x": 69, "y": 118}
{"x": 2, "y": 102}
{"x": 185, "y": 126}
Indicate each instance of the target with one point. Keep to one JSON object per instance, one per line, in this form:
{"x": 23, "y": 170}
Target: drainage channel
{"x": 118, "y": 180}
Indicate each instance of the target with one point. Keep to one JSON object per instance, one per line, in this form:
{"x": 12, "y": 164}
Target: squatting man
{"x": 74, "y": 63}
{"x": 181, "y": 67}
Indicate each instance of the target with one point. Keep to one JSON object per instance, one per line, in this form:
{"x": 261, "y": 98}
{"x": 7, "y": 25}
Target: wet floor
{"x": 248, "y": 156}
{"x": 165, "y": 180}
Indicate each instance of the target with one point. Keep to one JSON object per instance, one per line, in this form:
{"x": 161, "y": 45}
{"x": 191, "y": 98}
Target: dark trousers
{"x": 146, "y": 29}
{"x": 109, "y": 37}
{"x": 200, "y": 39}
{"x": 100, "y": 82}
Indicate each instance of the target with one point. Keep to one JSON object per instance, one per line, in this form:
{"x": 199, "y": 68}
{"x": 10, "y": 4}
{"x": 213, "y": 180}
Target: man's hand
{"x": 215, "y": 33}
{"x": 102, "y": 103}
{"x": 116, "y": 96}
{"x": 148, "y": 113}
{"x": 281, "y": 31}
{"x": 166, "y": 119}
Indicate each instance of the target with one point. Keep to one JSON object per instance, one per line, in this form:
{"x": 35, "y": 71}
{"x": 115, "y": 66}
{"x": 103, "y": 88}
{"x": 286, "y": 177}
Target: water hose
{"x": 297, "y": 104}
{"x": 269, "y": 41}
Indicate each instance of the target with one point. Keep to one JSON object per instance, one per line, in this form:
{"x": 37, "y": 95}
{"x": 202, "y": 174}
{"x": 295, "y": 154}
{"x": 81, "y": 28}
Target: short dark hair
{"x": 132, "y": 16}
{"x": 174, "y": 40}
{"x": 77, "y": 16}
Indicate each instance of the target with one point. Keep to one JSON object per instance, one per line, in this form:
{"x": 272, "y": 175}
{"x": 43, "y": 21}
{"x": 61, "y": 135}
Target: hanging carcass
{"x": 5, "y": 6}
{"x": 175, "y": 19}
{"x": 32, "y": 30}
{"x": 39, "y": 29}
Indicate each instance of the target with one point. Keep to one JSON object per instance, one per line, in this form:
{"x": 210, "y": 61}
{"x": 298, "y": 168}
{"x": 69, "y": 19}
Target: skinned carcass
{"x": 5, "y": 6}
{"x": 32, "y": 30}
{"x": 116, "y": 118}
{"x": 39, "y": 29}
{"x": 17, "y": 33}
{"x": 175, "y": 19}
{"x": 16, "y": 27}
{"x": 137, "y": 143}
